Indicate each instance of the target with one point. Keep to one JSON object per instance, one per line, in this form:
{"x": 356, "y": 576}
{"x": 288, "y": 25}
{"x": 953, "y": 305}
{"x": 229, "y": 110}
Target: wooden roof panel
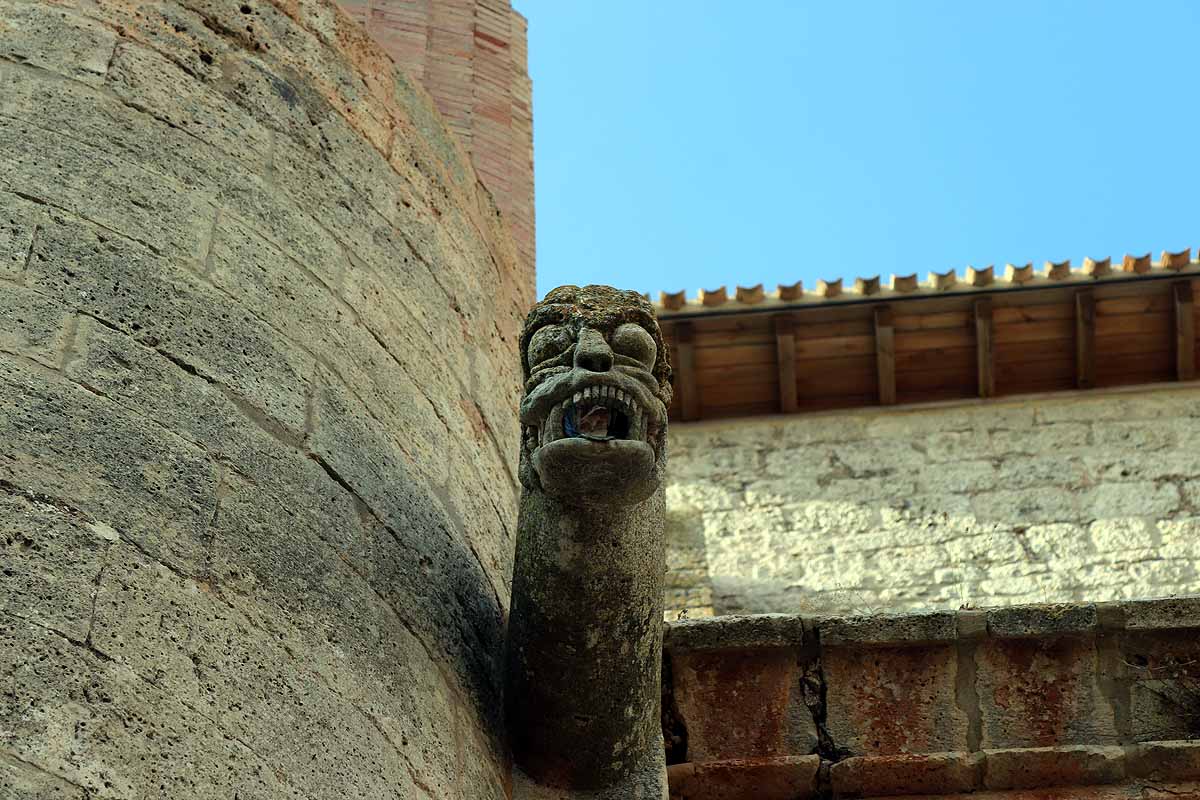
{"x": 924, "y": 348}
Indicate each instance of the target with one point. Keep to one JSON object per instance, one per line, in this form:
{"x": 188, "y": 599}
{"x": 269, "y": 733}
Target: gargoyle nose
{"x": 592, "y": 352}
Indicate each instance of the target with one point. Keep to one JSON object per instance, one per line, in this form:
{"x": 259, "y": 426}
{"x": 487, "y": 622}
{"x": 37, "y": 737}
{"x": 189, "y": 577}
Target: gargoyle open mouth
{"x": 596, "y": 413}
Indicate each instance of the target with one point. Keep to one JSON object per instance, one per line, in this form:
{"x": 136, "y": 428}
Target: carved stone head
{"x": 597, "y": 386}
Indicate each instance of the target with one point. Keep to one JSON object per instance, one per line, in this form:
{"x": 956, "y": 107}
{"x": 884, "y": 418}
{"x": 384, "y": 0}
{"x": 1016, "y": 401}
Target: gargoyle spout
{"x": 584, "y": 646}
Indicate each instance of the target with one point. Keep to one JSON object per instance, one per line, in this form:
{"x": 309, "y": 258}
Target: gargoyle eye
{"x": 632, "y": 340}
{"x": 547, "y": 343}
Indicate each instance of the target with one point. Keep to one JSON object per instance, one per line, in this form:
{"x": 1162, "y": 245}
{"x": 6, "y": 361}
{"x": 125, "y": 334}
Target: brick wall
{"x": 471, "y": 56}
{"x": 1062, "y": 498}
{"x": 257, "y": 379}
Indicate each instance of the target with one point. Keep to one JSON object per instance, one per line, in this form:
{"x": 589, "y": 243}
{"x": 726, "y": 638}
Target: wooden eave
{"x": 950, "y": 337}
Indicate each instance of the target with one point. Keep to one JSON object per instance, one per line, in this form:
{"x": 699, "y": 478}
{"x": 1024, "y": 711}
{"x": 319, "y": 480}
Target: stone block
{"x": 1167, "y": 613}
{"x": 742, "y": 704}
{"x": 20, "y": 780}
{"x": 1043, "y": 620}
{"x": 957, "y": 445}
{"x": 1162, "y": 671}
{"x": 1140, "y": 435}
{"x": 782, "y": 778}
{"x": 35, "y": 325}
{"x": 180, "y": 634}
{"x": 957, "y": 477}
{"x": 970, "y": 624}
{"x": 1041, "y": 470}
{"x": 100, "y": 726}
{"x": 150, "y": 82}
{"x": 1043, "y": 768}
{"x": 52, "y": 559}
{"x": 147, "y": 296}
{"x": 1057, "y": 437}
{"x": 18, "y": 221}
{"x": 57, "y": 40}
{"x": 890, "y": 700}
{"x": 937, "y": 773}
{"x": 1130, "y": 499}
{"x": 1027, "y": 507}
{"x": 748, "y": 632}
{"x": 1163, "y": 760}
{"x": 85, "y": 453}
{"x": 929, "y": 627}
{"x": 1041, "y": 693}
{"x": 117, "y": 194}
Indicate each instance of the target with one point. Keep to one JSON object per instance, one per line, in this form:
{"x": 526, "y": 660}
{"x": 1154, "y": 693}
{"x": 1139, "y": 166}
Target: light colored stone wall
{"x": 1084, "y": 497}
{"x": 257, "y": 443}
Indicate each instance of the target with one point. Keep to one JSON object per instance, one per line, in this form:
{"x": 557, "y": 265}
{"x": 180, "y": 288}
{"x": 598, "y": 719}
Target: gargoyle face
{"x": 597, "y": 385}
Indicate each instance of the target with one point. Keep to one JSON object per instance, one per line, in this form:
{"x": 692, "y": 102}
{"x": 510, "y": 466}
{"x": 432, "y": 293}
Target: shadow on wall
{"x": 1057, "y": 499}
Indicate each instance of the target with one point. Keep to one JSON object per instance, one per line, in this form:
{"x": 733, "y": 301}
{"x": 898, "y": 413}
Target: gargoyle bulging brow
{"x": 602, "y": 309}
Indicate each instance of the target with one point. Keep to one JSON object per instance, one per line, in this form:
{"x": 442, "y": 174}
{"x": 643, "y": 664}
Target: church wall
{"x": 1058, "y": 498}
{"x": 257, "y": 450}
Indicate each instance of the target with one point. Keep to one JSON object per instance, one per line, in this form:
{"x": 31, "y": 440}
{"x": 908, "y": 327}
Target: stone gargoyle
{"x": 584, "y": 651}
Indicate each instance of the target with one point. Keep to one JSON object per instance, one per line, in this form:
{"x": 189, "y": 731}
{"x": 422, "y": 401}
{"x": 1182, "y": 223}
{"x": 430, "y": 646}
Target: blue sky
{"x": 687, "y": 144}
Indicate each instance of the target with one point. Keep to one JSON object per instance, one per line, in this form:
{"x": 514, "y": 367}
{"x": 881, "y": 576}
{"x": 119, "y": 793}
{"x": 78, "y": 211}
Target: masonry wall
{"x": 471, "y": 56}
{"x": 1080, "y": 497}
{"x": 257, "y": 373}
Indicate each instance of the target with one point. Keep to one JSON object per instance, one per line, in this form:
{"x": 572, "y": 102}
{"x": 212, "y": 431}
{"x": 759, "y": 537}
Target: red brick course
{"x": 471, "y": 56}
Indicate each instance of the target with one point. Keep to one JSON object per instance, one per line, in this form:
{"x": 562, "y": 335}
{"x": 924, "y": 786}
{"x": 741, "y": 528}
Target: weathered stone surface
{"x": 35, "y": 326}
{"x": 154, "y": 85}
{"x": 1041, "y": 693}
{"x": 61, "y": 442}
{"x": 132, "y": 290}
{"x": 98, "y": 725}
{"x": 889, "y": 700}
{"x": 736, "y": 633}
{"x": 120, "y": 195}
{"x": 889, "y": 629}
{"x": 52, "y": 559}
{"x": 870, "y": 511}
{"x": 783, "y": 778}
{"x": 256, "y": 523}
{"x": 908, "y": 774}
{"x": 742, "y": 704}
{"x": 59, "y": 41}
{"x": 18, "y": 222}
{"x": 1162, "y": 760}
{"x": 1048, "y": 767}
{"x": 1042, "y": 620}
{"x": 1162, "y": 672}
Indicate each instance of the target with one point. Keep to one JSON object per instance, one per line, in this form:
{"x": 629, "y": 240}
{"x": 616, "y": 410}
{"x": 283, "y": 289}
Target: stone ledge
{"x": 1058, "y": 619}
{"x": 922, "y": 628}
{"x": 1054, "y": 769}
{"x": 1159, "y": 760}
{"x": 783, "y": 778}
{"x": 748, "y": 631}
{"x": 907, "y": 774}
{"x": 1162, "y": 614}
{"x": 1044, "y": 767}
{"x": 739, "y": 632}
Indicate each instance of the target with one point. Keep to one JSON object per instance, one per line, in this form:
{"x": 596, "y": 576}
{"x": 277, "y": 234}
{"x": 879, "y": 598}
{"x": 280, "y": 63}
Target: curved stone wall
{"x": 1067, "y": 498}
{"x": 257, "y": 373}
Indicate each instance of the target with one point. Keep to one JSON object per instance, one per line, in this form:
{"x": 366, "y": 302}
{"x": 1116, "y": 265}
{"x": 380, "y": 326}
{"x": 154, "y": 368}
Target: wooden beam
{"x": 1185, "y": 331}
{"x": 984, "y": 348}
{"x": 785, "y": 358}
{"x": 1085, "y": 339}
{"x": 689, "y": 394}
{"x": 885, "y": 355}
